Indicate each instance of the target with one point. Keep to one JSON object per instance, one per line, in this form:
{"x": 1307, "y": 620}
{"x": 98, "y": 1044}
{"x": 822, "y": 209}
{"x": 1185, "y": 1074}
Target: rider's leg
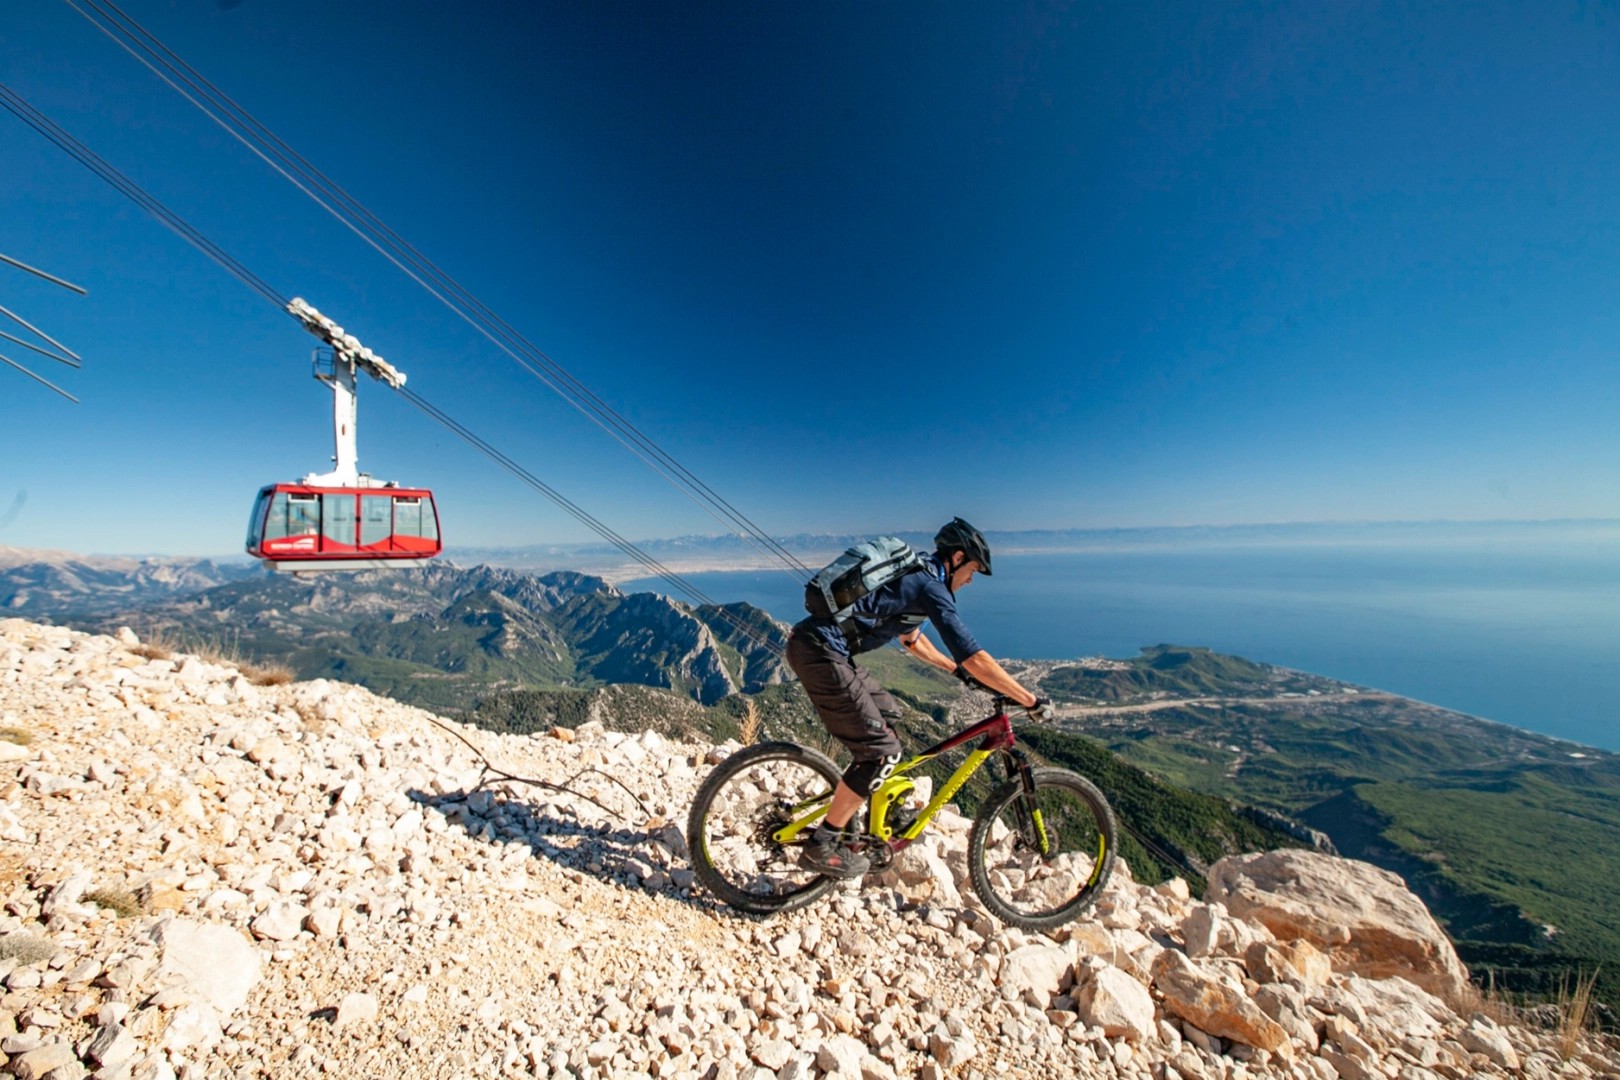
{"x": 845, "y": 802}
{"x": 859, "y": 713}
{"x": 854, "y": 708}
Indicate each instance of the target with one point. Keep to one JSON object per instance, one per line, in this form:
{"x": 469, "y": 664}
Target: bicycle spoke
{"x": 738, "y": 815}
{"x": 1040, "y": 860}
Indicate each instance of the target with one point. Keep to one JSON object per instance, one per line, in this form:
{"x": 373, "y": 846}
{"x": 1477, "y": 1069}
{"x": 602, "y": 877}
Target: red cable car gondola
{"x": 300, "y": 525}
{"x": 343, "y": 520}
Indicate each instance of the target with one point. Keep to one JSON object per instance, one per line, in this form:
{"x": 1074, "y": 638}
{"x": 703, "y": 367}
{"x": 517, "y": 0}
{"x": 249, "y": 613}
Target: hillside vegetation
{"x": 1513, "y": 839}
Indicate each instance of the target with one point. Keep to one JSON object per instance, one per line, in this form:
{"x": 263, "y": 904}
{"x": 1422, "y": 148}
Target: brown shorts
{"x": 855, "y": 709}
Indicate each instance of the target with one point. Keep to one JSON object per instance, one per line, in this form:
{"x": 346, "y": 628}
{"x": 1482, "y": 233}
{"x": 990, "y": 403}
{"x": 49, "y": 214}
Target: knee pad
{"x": 867, "y": 776}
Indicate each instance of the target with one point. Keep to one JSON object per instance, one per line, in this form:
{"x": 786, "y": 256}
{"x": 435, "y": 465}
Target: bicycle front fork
{"x": 1016, "y": 763}
{"x": 1026, "y": 811}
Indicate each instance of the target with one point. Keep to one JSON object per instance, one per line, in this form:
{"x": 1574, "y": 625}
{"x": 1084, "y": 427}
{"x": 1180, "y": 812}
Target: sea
{"x": 1517, "y": 623}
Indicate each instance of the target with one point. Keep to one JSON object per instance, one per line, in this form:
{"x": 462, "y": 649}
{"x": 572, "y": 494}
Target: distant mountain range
{"x": 46, "y": 584}
{"x": 691, "y": 553}
{"x": 440, "y": 636}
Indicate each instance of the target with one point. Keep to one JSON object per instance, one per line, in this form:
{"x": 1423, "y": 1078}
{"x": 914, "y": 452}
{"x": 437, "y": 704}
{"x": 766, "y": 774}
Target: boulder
{"x": 921, "y": 873}
{"x": 1214, "y": 1001}
{"x": 1482, "y": 1036}
{"x": 1288, "y": 961}
{"x": 1117, "y": 1003}
{"x": 1365, "y": 919}
{"x": 35, "y": 1063}
{"x": 213, "y": 962}
{"x": 1044, "y": 969}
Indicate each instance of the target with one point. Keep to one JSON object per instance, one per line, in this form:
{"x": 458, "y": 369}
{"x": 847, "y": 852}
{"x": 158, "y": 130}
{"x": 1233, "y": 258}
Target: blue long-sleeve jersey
{"x": 903, "y": 604}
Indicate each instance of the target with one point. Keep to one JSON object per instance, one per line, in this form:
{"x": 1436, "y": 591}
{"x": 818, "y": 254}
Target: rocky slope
{"x": 203, "y": 877}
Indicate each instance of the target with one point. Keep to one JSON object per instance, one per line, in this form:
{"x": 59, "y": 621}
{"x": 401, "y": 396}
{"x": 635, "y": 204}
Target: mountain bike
{"x": 1039, "y": 851}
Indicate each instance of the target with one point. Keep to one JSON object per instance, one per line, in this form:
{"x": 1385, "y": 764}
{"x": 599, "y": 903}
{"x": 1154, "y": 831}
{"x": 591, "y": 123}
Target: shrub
{"x": 121, "y": 901}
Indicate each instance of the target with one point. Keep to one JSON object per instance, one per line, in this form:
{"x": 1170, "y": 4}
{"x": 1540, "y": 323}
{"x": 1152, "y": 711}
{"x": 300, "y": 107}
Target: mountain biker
{"x": 859, "y": 712}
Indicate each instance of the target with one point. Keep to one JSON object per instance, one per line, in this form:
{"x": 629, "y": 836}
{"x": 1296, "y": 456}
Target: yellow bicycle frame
{"x": 997, "y": 734}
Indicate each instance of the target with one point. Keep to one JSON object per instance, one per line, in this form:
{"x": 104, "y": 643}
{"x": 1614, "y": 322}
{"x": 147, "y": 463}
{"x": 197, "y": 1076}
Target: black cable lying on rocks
{"x": 494, "y": 774}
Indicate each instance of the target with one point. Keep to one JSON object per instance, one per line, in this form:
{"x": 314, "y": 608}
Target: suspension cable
{"x": 26, "y": 112}
{"x": 127, "y": 187}
{"x": 241, "y": 125}
{"x": 585, "y": 518}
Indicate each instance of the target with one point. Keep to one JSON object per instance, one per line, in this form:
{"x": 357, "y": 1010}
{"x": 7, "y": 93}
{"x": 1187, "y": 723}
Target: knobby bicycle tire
{"x": 1023, "y": 886}
{"x": 746, "y": 798}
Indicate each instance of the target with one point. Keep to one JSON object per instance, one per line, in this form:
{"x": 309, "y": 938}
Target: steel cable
{"x": 31, "y": 116}
{"x": 136, "y": 40}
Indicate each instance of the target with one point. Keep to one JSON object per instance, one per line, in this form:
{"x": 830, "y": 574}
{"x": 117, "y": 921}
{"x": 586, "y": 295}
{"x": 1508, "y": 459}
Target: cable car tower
{"x": 343, "y": 519}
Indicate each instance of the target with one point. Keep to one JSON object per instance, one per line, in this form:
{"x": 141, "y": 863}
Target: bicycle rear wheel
{"x": 1038, "y": 860}
{"x": 747, "y": 798}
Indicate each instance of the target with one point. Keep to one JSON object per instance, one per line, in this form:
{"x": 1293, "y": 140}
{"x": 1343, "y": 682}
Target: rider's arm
{"x": 984, "y": 669}
{"x": 917, "y": 643}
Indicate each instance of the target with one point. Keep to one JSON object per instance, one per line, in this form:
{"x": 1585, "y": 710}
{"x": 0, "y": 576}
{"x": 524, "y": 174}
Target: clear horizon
{"x": 1332, "y": 530}
{"x": 859, "y": 269}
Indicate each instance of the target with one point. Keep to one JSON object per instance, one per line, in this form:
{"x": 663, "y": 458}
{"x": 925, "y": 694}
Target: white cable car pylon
{"x": 343, "y": 519}
{"x": 347, "y": 356}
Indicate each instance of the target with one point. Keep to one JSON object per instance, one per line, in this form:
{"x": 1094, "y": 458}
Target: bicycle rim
{"x": 743, "y": 802}
{"x": 1039, "y": 861}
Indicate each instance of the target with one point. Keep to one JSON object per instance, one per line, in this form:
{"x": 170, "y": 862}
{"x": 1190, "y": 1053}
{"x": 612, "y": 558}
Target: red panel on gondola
{"x": 359, "y": 525}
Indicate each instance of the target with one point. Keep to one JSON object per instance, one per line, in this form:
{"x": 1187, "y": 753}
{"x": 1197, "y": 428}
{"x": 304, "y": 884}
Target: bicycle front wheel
{"x": 1039, "y": 859}
{"x": 736, "y": 814}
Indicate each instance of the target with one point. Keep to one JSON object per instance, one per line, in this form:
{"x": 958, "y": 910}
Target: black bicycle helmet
{"x": 958, "y": 535}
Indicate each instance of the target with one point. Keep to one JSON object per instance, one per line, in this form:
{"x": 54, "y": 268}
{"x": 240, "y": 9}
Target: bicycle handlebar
{"x": 1002, "y": 701}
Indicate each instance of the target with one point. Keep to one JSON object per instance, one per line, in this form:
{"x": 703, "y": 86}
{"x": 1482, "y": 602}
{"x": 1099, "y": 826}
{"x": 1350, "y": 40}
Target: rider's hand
{"x": 1041, "y": 712}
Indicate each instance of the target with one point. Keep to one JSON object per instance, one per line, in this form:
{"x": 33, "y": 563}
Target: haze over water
{"x": 1514, "y": 623}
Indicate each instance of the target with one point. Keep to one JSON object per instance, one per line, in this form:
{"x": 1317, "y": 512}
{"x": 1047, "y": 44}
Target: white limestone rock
{"x": 214, "y": 963}
{"x": 1117, "y": 1003}
{"x": 1364, "y": 918}
{"x": 356, "y": 1008}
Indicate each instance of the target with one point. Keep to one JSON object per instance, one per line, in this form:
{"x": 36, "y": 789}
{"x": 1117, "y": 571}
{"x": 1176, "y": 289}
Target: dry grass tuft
{"x": 748, "y": 732}
{"x": 26, "y": 948}
{"x": 1490, "y": 1001}
{"x": 17, "y": 735}
{"x": 267, "y": 674}
{"x": 1574, "y": 1012}
{"x": 158, "y": 643}
{"x": 120, "y": 900}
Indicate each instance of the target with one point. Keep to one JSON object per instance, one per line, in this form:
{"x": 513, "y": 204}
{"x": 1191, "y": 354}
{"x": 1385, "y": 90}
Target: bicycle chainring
{"x": 879, "y": 854}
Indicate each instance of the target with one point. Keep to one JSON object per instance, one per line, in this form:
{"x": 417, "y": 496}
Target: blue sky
{"x": 858, "y": 266}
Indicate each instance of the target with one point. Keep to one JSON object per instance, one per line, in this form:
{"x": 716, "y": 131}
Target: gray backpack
{"x": 863, "y": 569}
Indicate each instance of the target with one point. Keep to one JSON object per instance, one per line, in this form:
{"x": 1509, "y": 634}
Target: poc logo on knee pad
{"x": 884, "y": 773}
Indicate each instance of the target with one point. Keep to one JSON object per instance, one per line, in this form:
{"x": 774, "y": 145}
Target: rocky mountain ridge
{"x": 205, "y": 877}
{"x": 439, "y": 635}
{"x": 37, "y": 583}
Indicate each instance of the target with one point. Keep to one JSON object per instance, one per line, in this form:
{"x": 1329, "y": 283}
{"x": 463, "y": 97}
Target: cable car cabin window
{"x": 376, "y": 520}
{"x": 255, "y": 533}
{"x": 407, "y": 516}
{"x": 337, "y": 519}
{"x": 412, "y": 518}
{"x": 292, "y": 515}
{"x": 303, "y": 515}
